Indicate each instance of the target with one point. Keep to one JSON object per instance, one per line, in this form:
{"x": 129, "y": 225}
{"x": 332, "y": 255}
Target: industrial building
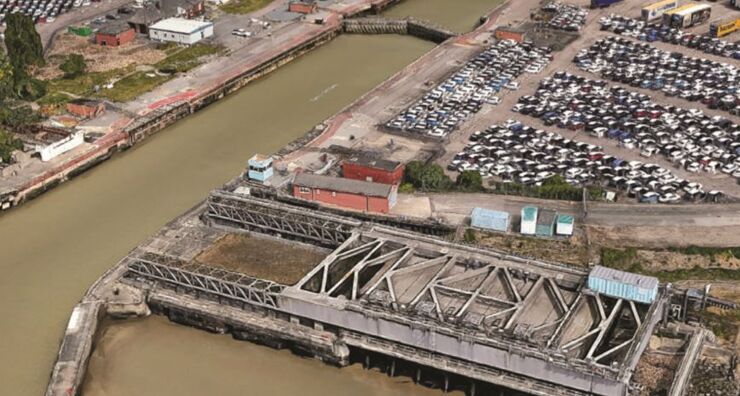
{"x": 346, "y": 193}
{"x": 153, "y": 12}
{"x": 362, "y": 167}
{"x": 180, "y": 30}
{"x": 528, "y": 224}
{"x": 492, "y": 220}
{"x": 509, "y": 321}
{"x": 115, "y": 34}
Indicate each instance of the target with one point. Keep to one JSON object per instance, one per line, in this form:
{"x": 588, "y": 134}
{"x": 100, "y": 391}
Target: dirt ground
{"x": 99, "y": 58}
{"x": 262, "y": 257}
{"x": 570, "y": 251}
{"x": 655, "y": 373}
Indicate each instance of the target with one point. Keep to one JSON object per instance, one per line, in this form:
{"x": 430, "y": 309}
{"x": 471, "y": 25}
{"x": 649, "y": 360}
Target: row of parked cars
{"x": 714, "y": 84}
{"x": 516, "y": 153}
{"x": 444, "y": 108}
{"x": 565, "y": 16}
{"x": 688, "y": 138}
{"x": 655, "y": 32}
{"x": 39, "y": 10}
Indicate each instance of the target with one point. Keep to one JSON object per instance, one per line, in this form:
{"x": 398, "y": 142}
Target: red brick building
{"x": 517, "y": 34}
{"x": 345, "y": 193}
{"x": 303, "y": 6}
{"x": 373, "y": 170}
{"x": 85, "y": 108}
{"x": 115, "y": 34}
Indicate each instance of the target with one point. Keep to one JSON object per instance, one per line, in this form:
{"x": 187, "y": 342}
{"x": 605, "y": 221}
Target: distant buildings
{"x": 303, "y": 6}
{"x": 115, "y": 34}
{"x": 156, "y": 11}
{"x": 180, "y": 30}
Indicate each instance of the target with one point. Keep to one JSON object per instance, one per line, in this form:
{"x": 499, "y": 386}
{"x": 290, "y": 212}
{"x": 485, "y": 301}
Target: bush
{"x": 73, "y": 66}
{"x": 406, "y": 188}
{"x": 425, "y": 177}
{"x": 7, "y": 145}
{"x": 18, "y": 117}
{"x": 469, "y": 181}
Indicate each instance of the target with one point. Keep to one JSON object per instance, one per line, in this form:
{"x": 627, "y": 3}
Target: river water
{"x": 53, "y": 248}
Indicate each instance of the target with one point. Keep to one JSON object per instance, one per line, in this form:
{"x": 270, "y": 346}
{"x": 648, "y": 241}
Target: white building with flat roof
{"x": 180, "y": 30}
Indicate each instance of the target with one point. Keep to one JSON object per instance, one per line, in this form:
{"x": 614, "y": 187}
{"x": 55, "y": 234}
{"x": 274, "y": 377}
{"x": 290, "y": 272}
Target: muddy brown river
{"x": 53, "y": 248}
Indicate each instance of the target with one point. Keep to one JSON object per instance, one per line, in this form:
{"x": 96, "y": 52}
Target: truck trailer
{"x": 724, "y": 27}
{"x": 656, "y": 10}
{"x": 603, "y": 3}
{"x": 687, "y": 16}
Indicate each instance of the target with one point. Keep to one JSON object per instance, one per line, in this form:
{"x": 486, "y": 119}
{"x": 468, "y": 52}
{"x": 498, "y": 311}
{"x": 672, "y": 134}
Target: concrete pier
{"x": 410, "y": 26}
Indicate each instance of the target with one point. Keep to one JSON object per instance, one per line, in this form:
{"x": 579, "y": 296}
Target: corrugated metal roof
{"x": 180, "y": 25}
{"x": 343, "y": 185}
{"x": 643, "y": 281}
{"x": 529, "y": 213}
{"x": 490, "y": 219}
{"x": 565, "y": 219}
{"x": 546, "y": 216}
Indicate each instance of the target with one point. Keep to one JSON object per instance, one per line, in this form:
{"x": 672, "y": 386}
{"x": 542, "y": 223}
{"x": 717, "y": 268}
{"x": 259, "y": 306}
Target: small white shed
{"x": 180, "y": 30}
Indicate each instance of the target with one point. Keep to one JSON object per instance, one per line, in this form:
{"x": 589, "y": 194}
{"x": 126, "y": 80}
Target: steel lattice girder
{"x": 273, "y": 217}
{"x": 205, "y": 279}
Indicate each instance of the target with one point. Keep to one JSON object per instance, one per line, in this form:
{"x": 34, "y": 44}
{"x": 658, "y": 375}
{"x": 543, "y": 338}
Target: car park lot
{"x": 39, "y": 10}
{"x": 642, "y": 65}
{"x": 441, "y": 111}
{"x": 565, "y": 16}
{"x": 514, "y": 152}
{"x": 689, "y": 139}
{"x": 640, "y": 30}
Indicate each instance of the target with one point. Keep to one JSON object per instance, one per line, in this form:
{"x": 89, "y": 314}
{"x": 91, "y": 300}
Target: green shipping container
{"x": 82, "y": 31}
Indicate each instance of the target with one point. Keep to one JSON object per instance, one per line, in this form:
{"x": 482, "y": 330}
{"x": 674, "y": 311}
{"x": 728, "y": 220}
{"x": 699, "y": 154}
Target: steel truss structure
{"x": 272, "y": 217}
{"x": 488, "y": 298}
{"x": 197, "y": 277}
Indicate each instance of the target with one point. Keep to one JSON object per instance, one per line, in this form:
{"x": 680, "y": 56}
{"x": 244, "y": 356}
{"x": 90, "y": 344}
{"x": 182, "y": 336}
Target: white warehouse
{"x": 180, "y": 30}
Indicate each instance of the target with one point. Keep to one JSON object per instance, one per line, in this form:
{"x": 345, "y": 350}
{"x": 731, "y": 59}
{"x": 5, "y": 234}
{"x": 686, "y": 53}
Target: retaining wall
{"x": 408, "y": 26}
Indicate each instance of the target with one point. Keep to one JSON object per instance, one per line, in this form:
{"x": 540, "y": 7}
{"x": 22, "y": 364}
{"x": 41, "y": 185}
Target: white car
{"x": 512, "y": 85}
{"x": 494, "y": 100}
{"x": 241, "y": 33}
{"x": 669, "y": 198}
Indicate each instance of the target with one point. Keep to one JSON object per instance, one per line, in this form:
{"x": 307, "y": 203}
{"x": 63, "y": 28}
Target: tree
{"x": 7, "y": 145}
{"x": 427, "y": 177}
{"x": 73, "y": 66}
{"x": 469, "y": 181}
{"x": 23, "y": 43}
{"x": 6, "y": 78}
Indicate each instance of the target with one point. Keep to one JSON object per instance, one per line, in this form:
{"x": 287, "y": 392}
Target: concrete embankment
{"x": 409, "y": 26}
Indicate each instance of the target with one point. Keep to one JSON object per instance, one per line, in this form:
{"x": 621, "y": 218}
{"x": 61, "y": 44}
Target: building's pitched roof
{"x": 370, "y": 162}
{"x": 343, "y": 185}
{"x": 114, "y": 28}
{"x": 147, "y": 15}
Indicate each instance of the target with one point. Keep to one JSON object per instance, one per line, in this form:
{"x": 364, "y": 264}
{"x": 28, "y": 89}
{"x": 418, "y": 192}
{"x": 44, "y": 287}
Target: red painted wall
{"x": 360, "y": 172}
{"x": 344, "y": 200}
{"x": 112, "y": 40}
{"x": 509, "y": 35}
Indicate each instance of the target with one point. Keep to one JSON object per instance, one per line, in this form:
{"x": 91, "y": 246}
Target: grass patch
{"x": 244, "y": 6}
{"x": 711, "y": 252}
{"x": 724, "y": 324}
{"x": 54, "y": 99}
{"x": 627, "y": 260}
{"x": 187, "y": 58}
{"x": 132, "y": 86}
{"x": 83, "y": 86}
